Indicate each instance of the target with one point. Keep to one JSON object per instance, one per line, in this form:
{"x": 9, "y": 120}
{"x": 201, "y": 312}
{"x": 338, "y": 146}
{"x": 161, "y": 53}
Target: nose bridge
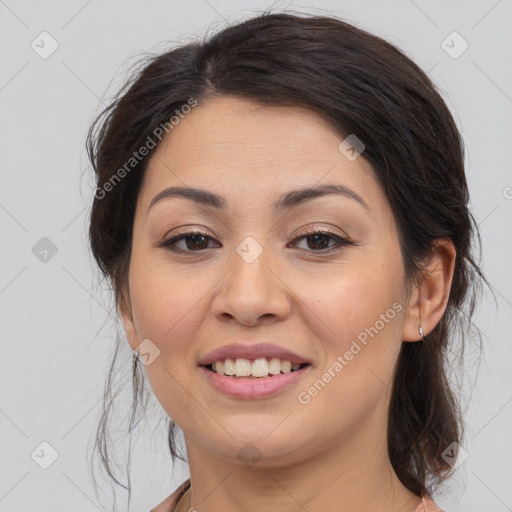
{"x": 250, "y": 289}
{"x": 249, "y": 263}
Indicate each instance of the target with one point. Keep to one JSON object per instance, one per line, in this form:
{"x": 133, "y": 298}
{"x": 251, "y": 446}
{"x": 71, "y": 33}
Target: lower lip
{"x": 254, "y": 388}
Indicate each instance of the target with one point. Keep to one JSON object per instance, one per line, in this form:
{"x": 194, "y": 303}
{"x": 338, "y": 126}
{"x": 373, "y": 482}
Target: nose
{"x": 253, "y": 292}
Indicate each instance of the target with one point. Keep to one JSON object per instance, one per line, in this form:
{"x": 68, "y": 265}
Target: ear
{"x": 429, "y": 297}
{"x": 125, "y": 312}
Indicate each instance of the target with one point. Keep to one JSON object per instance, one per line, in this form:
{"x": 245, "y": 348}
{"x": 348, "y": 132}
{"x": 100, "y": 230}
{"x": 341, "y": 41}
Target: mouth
{"x": 250, "y": 370}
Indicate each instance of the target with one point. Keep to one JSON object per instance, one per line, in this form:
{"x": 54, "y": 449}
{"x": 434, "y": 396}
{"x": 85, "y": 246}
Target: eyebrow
{"x": 287, "y": 201}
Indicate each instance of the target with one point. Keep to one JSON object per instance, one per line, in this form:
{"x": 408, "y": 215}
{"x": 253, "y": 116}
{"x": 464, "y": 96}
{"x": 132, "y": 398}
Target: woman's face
{"x": 254, "y": 276}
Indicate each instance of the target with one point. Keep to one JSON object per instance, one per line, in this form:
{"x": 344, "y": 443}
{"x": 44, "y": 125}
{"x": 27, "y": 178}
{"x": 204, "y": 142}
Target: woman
{"x": 282, "y": 213}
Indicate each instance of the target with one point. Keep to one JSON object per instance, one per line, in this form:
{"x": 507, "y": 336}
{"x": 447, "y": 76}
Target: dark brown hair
{"x": 362, "y": 85}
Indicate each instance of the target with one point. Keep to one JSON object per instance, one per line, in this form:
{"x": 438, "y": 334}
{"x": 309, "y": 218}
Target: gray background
{"x": 56, "y": 334}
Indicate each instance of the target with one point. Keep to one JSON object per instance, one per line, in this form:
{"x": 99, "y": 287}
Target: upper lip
{"x": 250, "y": 351}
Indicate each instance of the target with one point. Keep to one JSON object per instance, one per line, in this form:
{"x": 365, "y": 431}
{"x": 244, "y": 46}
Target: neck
{"x": 346, "y": 476}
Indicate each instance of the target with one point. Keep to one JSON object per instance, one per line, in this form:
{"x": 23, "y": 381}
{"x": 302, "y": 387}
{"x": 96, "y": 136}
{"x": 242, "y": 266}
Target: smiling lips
{"x": 255, "y": 370}
{"x": 252, "y": 360}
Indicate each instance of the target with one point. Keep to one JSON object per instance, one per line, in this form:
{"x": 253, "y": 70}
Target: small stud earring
{"x": 421, "y": 333}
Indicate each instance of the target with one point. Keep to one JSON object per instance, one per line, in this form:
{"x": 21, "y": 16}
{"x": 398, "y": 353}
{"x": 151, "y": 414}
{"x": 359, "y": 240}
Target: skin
{"x": 294, "y": 294}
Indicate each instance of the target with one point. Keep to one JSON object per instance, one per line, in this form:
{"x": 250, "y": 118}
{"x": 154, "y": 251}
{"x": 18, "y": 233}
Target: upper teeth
{"x": 257, "y": 368}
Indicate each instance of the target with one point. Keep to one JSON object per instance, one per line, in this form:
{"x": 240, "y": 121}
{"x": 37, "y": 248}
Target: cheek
{"x": 356, "y": 321}
{"x": 352, "y": 302}
{"x": 167, "y": 310}
{"x": 355, "y": 314}
{"x": 165, "y": 305}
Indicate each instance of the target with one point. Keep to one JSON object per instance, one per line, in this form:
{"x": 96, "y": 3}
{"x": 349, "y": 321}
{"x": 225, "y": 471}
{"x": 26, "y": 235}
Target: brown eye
{"x": 196, "y": 242}
{"x": 319, "y": 240}
{"x": 190, "y": 242}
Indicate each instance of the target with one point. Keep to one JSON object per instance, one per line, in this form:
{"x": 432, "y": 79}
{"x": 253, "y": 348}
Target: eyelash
{"x": 341, "y": 242}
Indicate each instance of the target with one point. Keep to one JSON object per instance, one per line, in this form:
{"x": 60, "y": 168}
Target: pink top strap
{"x": 427, "y": 505}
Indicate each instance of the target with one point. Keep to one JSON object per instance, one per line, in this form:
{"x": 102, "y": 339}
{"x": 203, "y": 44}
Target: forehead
{"x": 254, "y": 152}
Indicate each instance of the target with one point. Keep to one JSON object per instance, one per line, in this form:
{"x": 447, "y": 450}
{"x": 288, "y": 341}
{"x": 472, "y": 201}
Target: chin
{"x": 267, "y": 447}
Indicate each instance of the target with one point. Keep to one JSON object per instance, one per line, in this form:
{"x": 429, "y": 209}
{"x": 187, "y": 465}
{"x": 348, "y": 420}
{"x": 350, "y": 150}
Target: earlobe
{"x": 429, "y": 298}
{"x": 126, "y": 315}
{"x": 130, "y": 331}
